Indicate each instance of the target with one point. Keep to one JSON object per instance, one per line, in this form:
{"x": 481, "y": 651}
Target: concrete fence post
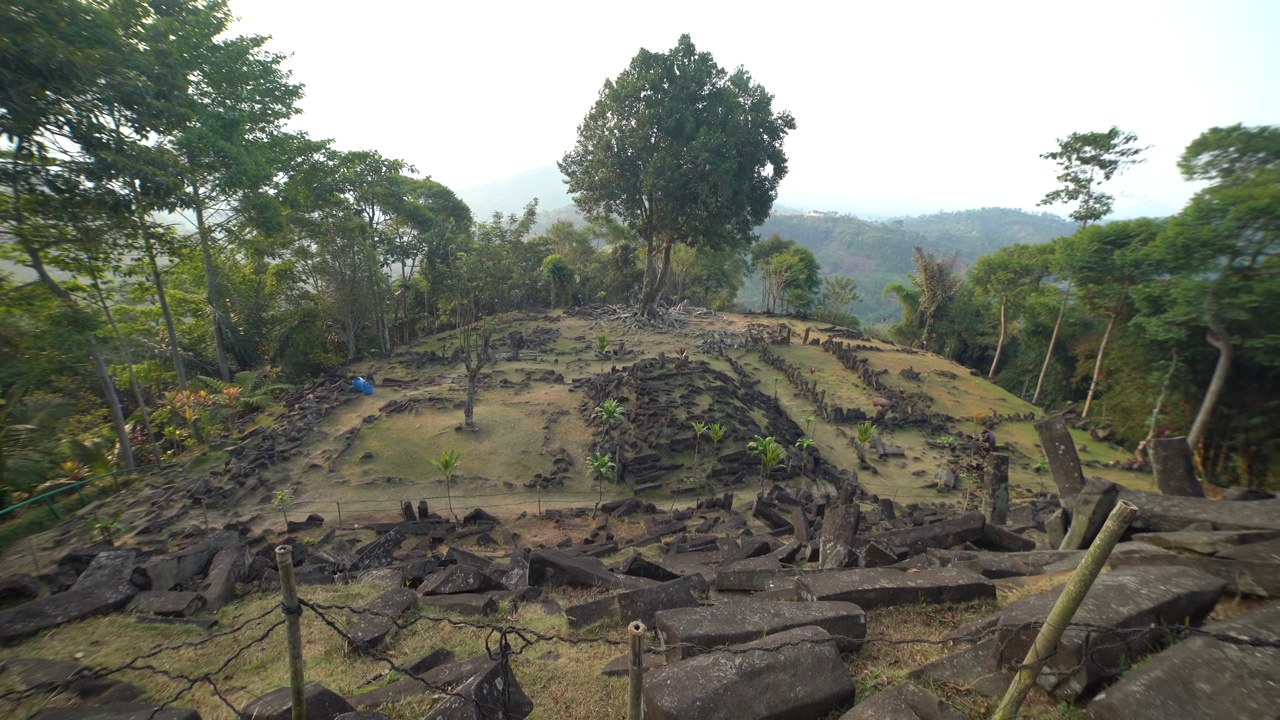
{"x": 292, "y": 621}
{"x": 635, "y": 674}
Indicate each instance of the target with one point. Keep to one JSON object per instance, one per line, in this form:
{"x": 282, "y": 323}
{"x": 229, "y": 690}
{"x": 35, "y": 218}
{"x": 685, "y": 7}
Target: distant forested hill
{"x": 877, "y": 253}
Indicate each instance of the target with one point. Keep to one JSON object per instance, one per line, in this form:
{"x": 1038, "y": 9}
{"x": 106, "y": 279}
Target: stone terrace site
{"x": 900, "y": 575}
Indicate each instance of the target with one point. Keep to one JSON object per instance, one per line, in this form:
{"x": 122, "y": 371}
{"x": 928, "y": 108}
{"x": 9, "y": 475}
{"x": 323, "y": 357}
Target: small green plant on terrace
{"x": 602, "y": 346}
{"x": 698, "y": 429}
{"x": 1041, "y": 466}
{"x": 866, "y": 431}
{"x": 716, "y": 432}
{"x": 776, "y": 378}
{"x": 447, "y": 464}
{"x": 770, "y": 453}
{"x": 601, "y": 467}
{"x": 803, "y": 445}
{"x": 281, "y": 499}
{"x": 106, "y": 528}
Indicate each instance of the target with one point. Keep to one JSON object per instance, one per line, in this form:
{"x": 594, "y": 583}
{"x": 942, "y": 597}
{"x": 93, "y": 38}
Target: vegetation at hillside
{"x": 127, "y": 341}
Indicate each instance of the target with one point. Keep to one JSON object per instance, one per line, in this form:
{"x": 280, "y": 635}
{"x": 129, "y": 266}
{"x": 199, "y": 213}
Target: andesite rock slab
{"x": 1202, "y": 677}
{"x": 905, "y": 701}
{"x": 688, "y": 631}
{"x": 1118, "y": 622}
{"x": 793, "y": 674}
{"x": 879, "y": 587}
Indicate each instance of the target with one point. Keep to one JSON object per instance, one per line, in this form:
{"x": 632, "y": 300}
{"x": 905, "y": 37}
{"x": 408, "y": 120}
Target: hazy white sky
{"x": 901, "y": 107}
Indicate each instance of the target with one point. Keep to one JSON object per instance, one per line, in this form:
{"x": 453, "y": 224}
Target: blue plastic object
{"x": 362, "y": 385}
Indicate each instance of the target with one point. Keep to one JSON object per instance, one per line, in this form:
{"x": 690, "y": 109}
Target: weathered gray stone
{"x": 227, "y": 568}
{"x": 995, "y": 565}
{"x": 750, "y": 574}
{"x": 878, "y": 587}
{"x": 1089, "y": 511}
{"x": 103, "y": 587}
{"x": 463, "y": 603}
{"x": 490, "y": 694}
{"x": 372, "y": 626}
{"x": 1260, "y": 578}
{"x": 387, "y": 577}
{"x": 457, "y": 579}
{"x": 362, "y": 715}
{"x": 998, "y": 537}
{"x": 1173, "y": 467}
{"x": 167, "y": 602}
{"x": 637, "y": 566}
{"x": 1118, "y": 621}
{"x": 379, "y": 553}
{"x": 997, "y": 488}
{"x": 973, "y": 668}
{"x": 836, "y": 541}
{"x": 441, "y": 677}
{"x": 1206, "y": 542}
{"x": 948, "y": 533}
{"x": 321, "y": 702}
{"x": 1055, "y": 527}
{"x": 690, "y": 631}
{"x": 1060, "y": 451}
{"x": 643, "y": 603}
{"x": 589, "y": 613}
{"x": 1203, "y": 677}
{"x": 116, "y": 711}
{"x": 553, "y": 568}
{"x": 905, "y": 701}
{"x": 1166, "y": 513}
{"x": 793, "y": 674}
{"x": 166, "y": 571}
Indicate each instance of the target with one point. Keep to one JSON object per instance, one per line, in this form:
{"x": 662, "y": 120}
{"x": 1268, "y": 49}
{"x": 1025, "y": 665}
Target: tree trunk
{"x": 1155, "y": 411}
{"x": 999, "y": 343}
{"x": 469, "y": 409}
{"x": 168, "y": 316}
{"x": 1053, "y": 339}
{"x": 649, "y": 298}
{"x": 99, "y": 363}
{"x": 128, "y": 356}
{"x": 210, "y": 286}
{"x": 1097, "y": 366}
{"x": 1217, "y": 337}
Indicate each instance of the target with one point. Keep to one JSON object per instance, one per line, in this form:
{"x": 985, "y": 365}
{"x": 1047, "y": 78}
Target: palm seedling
{"x": 281, "y": 499}
{"x": 601, "y": 467}
{"x": 106, "y": 528}
{"x": 803, "y": 445}
{"x": 447, "y": 464}
{"x": 770, "y": 453}
{"x": 698, "y": 429}
{"x": 602, "y": 347}
{"x": 866, "y": 431}
{"x": 612, "y": 414}
{"x": 716, "y": 432}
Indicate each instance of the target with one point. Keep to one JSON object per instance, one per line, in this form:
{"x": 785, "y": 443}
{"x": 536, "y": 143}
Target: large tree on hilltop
{"x": 1087, "y": 160}
{"x": 1222, "y": 255}
{"x": 682, "y": 152}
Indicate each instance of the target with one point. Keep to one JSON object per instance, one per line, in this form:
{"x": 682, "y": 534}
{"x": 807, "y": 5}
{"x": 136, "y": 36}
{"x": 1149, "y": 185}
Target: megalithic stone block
{"x": 1060, "y": 451}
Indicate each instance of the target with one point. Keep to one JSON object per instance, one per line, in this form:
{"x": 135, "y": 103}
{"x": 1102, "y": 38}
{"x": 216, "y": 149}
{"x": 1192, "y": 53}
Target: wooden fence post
{"x": 635, "y": 674}
{"x": 1065, "y": 608}
{"x": 292, "y": 617}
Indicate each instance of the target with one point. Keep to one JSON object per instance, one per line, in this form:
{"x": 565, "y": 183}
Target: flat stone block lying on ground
{"x": 1118, "y": 622}
{"x": 321, "y": 702}
{"x": 362, "y": 715}
{"x": 372, "y": 626}
{"x": 750, "y": 574}
{"x": 906, "y": 701}
{"x": 556, "y": 568}
{"x": 638, "y": 604}
{"x": 463, "y": 603}
{"x": 1166, "y": 513}
{"x": 1206, "y": 542}
{"x": 117, "y": 711}
{"x": 996, "y": 565}
{"x": 457, "y": 579}
{"x": 1203, "y": 678}
{"x": 1260, "y": 578}
{"x": 165, "y": 571}
{"x": 104, "y": 586}
{"x": 948, "y": 533}
{"x": 202, "y": 623}
{"x": 973, "y": 668}
{"x": 690, "y": 631}
{"x": 1002, "y": 539}
{"x": 438, "y": 678}
{"x": 794, "y": 674}
{"x": 877, "y": 587}
{"x": 490, "y": 694}
{"x": 167, "y": 603}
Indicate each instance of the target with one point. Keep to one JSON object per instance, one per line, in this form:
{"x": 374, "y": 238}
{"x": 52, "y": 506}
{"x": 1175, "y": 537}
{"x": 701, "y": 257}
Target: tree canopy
{"x": 683, "y": 152}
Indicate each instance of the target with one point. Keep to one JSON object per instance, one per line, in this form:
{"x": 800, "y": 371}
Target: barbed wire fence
{"x": 1109, "y": 650}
